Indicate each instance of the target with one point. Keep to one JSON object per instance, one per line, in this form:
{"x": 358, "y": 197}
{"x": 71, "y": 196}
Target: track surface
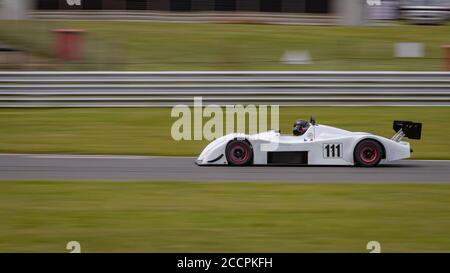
{"x": 129, "y": 168}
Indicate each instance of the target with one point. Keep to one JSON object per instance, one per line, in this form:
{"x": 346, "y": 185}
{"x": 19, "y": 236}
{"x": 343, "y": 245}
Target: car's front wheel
{"x": 368, "y": 153}
{"x": 239, "y": 153}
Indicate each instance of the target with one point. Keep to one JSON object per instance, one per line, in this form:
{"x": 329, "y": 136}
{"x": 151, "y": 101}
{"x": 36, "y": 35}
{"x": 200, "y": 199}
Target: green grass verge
{"x": 147, "y": 131}
{"x": 169, "y": 46}
{"x": 222, "y": 217}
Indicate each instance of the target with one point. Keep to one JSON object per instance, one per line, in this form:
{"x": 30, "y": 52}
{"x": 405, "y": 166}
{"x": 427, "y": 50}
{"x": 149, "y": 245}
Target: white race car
{"x": 311, "y": 144}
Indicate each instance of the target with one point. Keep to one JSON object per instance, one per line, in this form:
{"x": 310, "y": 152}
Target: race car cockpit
{"x": 300, "y": 127}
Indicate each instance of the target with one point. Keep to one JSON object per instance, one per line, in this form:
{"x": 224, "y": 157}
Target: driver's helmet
{"x": 300, "y": 127}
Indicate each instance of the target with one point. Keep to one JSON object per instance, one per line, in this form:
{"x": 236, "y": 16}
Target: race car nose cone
{"x": 198, "y": 162}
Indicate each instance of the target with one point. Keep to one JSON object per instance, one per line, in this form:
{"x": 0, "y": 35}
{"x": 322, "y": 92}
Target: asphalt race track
{"x": 136, "y": 168}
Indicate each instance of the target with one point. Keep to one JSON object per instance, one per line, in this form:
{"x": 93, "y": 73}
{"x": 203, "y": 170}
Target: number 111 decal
{"x": 333, "y": 150}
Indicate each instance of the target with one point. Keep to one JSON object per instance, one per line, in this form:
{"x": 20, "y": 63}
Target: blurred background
{"x": 52, "y": 121}
{"x": 224, "y": 34}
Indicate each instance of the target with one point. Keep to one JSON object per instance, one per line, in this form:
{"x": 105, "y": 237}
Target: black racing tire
{"x": 239, "y": 153}
{"x": 368, "y": 153}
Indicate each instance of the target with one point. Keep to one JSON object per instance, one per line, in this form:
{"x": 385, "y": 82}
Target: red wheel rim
{"x": 238, "y": 153}
{"x": 368, "y": 153}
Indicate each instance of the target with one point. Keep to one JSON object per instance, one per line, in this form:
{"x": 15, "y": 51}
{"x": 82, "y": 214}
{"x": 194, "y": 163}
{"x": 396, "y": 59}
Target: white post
{"x": 14, "y": 9}
{"x": 351, "y": 12}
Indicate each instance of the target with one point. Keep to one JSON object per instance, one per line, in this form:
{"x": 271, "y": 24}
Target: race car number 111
{"x": 332, "y": 150}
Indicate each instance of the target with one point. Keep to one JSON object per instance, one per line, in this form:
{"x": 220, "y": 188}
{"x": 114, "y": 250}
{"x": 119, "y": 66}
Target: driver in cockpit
{"x": 300, "y": 127}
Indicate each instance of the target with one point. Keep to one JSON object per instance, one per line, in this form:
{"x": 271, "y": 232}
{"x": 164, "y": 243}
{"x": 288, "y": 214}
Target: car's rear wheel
{"x": 239, "y": 153}
{"x": 368, "y": 153}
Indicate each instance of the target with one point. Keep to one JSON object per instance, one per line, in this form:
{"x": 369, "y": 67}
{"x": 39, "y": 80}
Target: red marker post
{"x": 68, "y": 44}
{"x": 446, "y": 49}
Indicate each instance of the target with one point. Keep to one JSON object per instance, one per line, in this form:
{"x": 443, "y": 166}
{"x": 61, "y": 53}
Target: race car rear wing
{"x": 409, "y": 129}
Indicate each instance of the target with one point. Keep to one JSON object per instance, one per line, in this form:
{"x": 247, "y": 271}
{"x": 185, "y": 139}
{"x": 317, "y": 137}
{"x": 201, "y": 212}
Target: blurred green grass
{"x": 223, "y": 217}
{"x": 176, "y": 46}
{"x": 147, "y": 131}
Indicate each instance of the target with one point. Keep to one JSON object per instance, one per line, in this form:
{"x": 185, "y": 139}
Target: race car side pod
{"x": 409, "y": 129}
